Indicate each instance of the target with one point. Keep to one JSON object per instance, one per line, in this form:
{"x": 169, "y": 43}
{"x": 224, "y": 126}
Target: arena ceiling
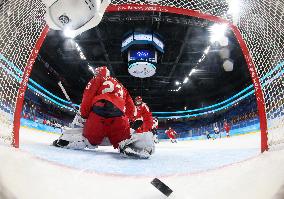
{"x": 185, "y": 39}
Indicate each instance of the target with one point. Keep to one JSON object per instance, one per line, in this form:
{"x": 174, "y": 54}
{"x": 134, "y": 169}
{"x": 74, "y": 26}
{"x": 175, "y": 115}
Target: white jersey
{"x": 216, "y": 129}
{"x": 155, "y": 123}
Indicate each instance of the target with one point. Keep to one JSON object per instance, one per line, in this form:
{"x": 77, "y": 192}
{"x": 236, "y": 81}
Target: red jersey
{"x": 107, "y": 88}
{"x": 227, "y": 127}
{"x": 143, "y": 112}
{"x": 171, "y": 133}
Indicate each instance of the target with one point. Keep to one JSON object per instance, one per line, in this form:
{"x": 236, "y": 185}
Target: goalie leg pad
{"x": 73, "y": 139}
{"x": 140, "y": 145}
{"x": 134, "y": 153}
{"x": 73, "y": 134}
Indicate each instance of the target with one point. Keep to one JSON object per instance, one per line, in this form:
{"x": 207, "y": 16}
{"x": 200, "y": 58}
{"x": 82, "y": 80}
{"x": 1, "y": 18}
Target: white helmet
{"x": 102, "y": 71}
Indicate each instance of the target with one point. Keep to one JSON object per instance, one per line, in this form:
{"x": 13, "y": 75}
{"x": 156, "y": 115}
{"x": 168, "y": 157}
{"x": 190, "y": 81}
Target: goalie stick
{"x": 66, "y": 95}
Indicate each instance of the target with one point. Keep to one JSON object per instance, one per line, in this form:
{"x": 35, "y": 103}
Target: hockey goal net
{"x": 258, "y": 26}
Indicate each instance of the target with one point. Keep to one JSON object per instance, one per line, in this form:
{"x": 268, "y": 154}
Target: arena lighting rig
{"x": 142, "y": 52}
{"x": 217, "y": 37}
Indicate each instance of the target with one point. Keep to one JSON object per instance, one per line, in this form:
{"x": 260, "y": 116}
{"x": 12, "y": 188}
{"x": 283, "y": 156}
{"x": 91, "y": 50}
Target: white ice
{"x": 223, "y": 168}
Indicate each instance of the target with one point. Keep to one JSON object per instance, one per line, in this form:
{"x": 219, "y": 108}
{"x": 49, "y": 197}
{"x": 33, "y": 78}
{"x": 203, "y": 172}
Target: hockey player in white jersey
{"x": 216, "y": 132}
{"x": 154, "y": 129}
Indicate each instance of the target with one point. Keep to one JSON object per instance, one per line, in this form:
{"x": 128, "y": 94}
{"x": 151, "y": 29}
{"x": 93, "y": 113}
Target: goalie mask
{"x": 74, "y": 16}
{"x": 138, "y": 100}
{"x": 102, "y": 71}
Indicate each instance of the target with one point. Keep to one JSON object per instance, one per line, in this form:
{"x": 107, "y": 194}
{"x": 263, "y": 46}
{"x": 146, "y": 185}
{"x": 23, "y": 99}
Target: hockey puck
{"x": 162, "y": 187}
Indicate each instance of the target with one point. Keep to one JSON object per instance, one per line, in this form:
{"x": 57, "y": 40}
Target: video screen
{"x": 144, "y": 55}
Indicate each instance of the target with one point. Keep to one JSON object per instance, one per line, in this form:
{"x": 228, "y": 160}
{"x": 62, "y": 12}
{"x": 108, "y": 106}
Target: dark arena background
{"x": 206, "y": 65}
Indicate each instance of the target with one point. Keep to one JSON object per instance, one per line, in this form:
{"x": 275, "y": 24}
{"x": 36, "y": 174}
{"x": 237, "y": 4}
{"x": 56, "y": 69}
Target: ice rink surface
{"x": 183, "y": 157}
{"x": 222, "y": 168}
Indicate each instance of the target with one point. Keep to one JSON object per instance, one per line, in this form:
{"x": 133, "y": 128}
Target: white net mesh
{"x": 20, "y": 26}
{"x": 261, "y": 24}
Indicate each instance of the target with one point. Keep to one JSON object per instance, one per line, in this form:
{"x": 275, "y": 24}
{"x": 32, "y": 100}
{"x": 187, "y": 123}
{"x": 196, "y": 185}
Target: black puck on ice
{"x": 162, "y": 187}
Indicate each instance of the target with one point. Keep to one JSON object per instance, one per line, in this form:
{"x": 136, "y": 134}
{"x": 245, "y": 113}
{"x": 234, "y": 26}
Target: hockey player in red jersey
{"x": 107, "y": 107}
{"x": 227, "y": 128}
{"x": 144, "y": 114}
{"x": 171, "y": 134}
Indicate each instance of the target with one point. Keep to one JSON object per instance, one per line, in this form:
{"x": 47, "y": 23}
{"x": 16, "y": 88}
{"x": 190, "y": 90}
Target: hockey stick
{"x": 66, "y": 95}
{"x": 64, "y": 91}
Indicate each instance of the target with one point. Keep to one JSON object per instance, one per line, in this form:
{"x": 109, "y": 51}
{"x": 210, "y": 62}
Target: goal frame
{"x": 150, "y": 8}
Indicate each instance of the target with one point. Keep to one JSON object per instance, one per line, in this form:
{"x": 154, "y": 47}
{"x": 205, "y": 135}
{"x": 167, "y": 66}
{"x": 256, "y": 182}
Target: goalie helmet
{"x": 76, "y": 16}
{"x": 102, "y": 71}
{"x": 138, "y": 100}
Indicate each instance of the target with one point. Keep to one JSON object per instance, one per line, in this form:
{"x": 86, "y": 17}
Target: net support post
{"x": 23, "y": 87}
{"x": 257, "y": 88}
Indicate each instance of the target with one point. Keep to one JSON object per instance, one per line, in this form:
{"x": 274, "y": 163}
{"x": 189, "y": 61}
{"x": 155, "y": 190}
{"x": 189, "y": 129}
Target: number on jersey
{"x": 117, "y": 89}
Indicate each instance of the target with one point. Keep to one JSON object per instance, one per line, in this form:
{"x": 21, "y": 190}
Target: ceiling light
{"x": 224, "y": 53}
{"x": 91, "y": 69}
{"x": 82, "y": 56}
{"x": 69, "y": 33}
{"x": 177, "y": 83}
{"x": 217, "y": 32}
{"x": 234, "y": 7}
{"x": 78, "y": 47}
{"x": 228, "y": 65}
{"x": 224, "y": 41}
{"x": 192, "y": 71}
{"x": 206, "y": 50}
{"x": 185, "y": 80}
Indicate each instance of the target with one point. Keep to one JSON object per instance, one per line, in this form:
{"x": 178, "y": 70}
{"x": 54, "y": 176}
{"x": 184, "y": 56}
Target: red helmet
{"x": 102, "y": 71}
{"x": 138, "y": 100}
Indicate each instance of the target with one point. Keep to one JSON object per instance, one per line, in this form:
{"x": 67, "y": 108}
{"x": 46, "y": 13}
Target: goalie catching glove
{"x": 140, "y": 145}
